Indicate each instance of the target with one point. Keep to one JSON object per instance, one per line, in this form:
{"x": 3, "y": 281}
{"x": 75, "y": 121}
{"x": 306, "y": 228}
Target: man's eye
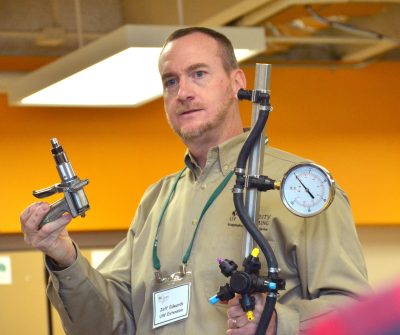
{"x": 199, "y": 74}
{"x": 170, "y": 82}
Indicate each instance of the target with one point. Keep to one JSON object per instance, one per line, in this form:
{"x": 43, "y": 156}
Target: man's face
{"x": 198, "y": 92}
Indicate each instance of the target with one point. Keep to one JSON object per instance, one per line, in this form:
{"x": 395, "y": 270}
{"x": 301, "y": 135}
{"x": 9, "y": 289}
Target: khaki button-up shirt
{"x": 320, "y": 258}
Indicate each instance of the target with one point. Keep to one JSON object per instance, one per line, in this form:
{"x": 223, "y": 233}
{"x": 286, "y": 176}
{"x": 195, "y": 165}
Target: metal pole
{"x": 256, "y": 158}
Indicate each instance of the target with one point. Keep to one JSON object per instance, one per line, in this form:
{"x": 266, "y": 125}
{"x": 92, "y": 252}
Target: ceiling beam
{"x": 274, "y": 7}
{"x": 265, "y": 12}
{"x": 370, "y": 51}
{"x": 320, "y": 40}
{"x": 35, "y": 34}
{"x": 233, "y": 12}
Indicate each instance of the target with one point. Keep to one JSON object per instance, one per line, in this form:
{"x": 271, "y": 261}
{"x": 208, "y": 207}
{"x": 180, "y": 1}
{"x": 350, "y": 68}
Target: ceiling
{"x": 299, "y": 32}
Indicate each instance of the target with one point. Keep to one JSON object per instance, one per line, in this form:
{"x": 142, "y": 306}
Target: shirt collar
{"x": 226, "y": 154}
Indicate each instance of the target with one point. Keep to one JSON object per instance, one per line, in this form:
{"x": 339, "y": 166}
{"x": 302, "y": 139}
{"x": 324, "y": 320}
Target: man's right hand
{"x": 52, "y": 238}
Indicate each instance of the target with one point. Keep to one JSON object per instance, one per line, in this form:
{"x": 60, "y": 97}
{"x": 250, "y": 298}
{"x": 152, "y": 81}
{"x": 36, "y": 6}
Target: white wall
{"x": 381, "y": 247}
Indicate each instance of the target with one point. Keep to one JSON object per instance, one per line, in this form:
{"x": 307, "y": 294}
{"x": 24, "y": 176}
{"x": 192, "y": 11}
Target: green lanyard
{"x": 216, "y": 193}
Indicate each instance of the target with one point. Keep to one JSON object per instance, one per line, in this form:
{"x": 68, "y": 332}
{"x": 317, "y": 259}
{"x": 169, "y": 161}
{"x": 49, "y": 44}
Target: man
{"x": 320, "y": 257}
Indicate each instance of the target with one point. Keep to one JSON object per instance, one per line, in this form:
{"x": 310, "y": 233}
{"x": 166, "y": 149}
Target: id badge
{"x": 171, "y": 298}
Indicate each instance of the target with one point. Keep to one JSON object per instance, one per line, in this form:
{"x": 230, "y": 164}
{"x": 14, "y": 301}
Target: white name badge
{"x": 171, "y": 305}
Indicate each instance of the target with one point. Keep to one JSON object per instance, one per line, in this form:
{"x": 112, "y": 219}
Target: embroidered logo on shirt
{"x": 264, "y": 221}
{"x": 234, "y": 220}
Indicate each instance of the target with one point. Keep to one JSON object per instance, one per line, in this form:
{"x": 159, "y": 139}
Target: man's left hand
{"x": 238, "y": 324}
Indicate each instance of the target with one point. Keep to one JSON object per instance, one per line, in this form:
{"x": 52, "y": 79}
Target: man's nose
{"x": 185, "y": 90}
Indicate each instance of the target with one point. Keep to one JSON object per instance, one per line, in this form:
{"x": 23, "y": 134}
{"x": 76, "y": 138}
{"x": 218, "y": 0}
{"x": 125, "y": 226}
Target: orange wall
{"x": 346, "y": 119}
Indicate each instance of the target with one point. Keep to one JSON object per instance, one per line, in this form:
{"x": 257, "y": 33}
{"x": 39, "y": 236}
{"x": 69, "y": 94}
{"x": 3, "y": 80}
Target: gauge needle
{"x": 307, "y": 190}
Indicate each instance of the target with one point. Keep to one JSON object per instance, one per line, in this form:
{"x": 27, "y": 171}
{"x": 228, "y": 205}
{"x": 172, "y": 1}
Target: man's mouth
{"x": 189, "y": 111}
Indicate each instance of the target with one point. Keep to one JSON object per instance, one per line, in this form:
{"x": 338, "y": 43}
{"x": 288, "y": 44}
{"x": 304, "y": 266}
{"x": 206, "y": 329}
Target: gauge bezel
{"x": 331, "y": 186}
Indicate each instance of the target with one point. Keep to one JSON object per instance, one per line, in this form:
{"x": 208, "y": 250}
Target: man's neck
{"x": 200, "y": 146}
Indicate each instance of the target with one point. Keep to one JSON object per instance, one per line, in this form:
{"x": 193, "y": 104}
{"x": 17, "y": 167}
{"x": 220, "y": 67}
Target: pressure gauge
{"x": 307, "y": 189}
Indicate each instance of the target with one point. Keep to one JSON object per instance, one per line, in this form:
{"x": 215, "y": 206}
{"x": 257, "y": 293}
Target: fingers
{"x": 31, "y": 219}
{"x": 26, "y": 214}
{"x": 238, "y": 323}
{"x": 53, "y": 228}
{"x": 235, "y": 310}
{"x": 32, "y": 216}
{"x": 235, "y": 328}
{"x": 52, "y": 238}
{"x": 234, "y": 301}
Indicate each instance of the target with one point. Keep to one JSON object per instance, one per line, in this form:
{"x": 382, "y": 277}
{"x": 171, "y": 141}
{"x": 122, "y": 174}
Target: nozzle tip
{"x": 255, "y": 252}
{"x": 250, "y": 315}
{"x": 213, "y": 300}
{"x": 54, "y": 142}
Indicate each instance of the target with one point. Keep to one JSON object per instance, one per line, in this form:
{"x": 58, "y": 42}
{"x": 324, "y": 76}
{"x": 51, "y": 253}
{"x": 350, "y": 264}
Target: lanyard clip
{"x": 181, "y": 274}
{"x": 182, "y": 269}
{"x": 158, "y": 276}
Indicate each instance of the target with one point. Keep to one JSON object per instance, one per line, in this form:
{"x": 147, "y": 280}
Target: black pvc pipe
{"x": 238, "y": 199}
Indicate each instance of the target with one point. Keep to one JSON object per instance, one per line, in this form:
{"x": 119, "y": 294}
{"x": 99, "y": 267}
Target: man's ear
{"x": 238, "y": 80}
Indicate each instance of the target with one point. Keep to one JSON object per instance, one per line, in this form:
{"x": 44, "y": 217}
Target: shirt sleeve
{"x": 89, "y": 302}
{"x": 331, "y": 267}
{"x": 99, "y": 301}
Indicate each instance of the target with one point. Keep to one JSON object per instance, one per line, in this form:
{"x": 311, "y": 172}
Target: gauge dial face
{"x": 307, "y": 189}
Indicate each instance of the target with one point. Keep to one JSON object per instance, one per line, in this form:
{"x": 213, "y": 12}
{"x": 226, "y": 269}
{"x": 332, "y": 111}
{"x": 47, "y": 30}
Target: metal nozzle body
{"x": 75, "y": 200}
{"x": 64, "y": 168}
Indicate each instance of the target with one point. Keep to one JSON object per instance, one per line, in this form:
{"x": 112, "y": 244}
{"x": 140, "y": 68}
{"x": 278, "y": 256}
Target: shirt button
{"x": 203, "y": 186}
{"x": 226, "y": 167}
{"x": 194, "y": 222}
{"x": 68, "y": 277}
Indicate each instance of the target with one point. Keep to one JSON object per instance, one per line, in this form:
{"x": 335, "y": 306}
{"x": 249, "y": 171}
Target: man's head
{"x": 225, "y": 46}
{"x": 201, "y": 78}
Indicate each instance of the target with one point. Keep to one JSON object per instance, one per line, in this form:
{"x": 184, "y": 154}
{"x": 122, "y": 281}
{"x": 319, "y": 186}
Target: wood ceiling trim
{"x": 370, "y": 51}
{"x": 277, "y": 6}
{"x": 233, "y": 12}
{"x": 319, "y": 40}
